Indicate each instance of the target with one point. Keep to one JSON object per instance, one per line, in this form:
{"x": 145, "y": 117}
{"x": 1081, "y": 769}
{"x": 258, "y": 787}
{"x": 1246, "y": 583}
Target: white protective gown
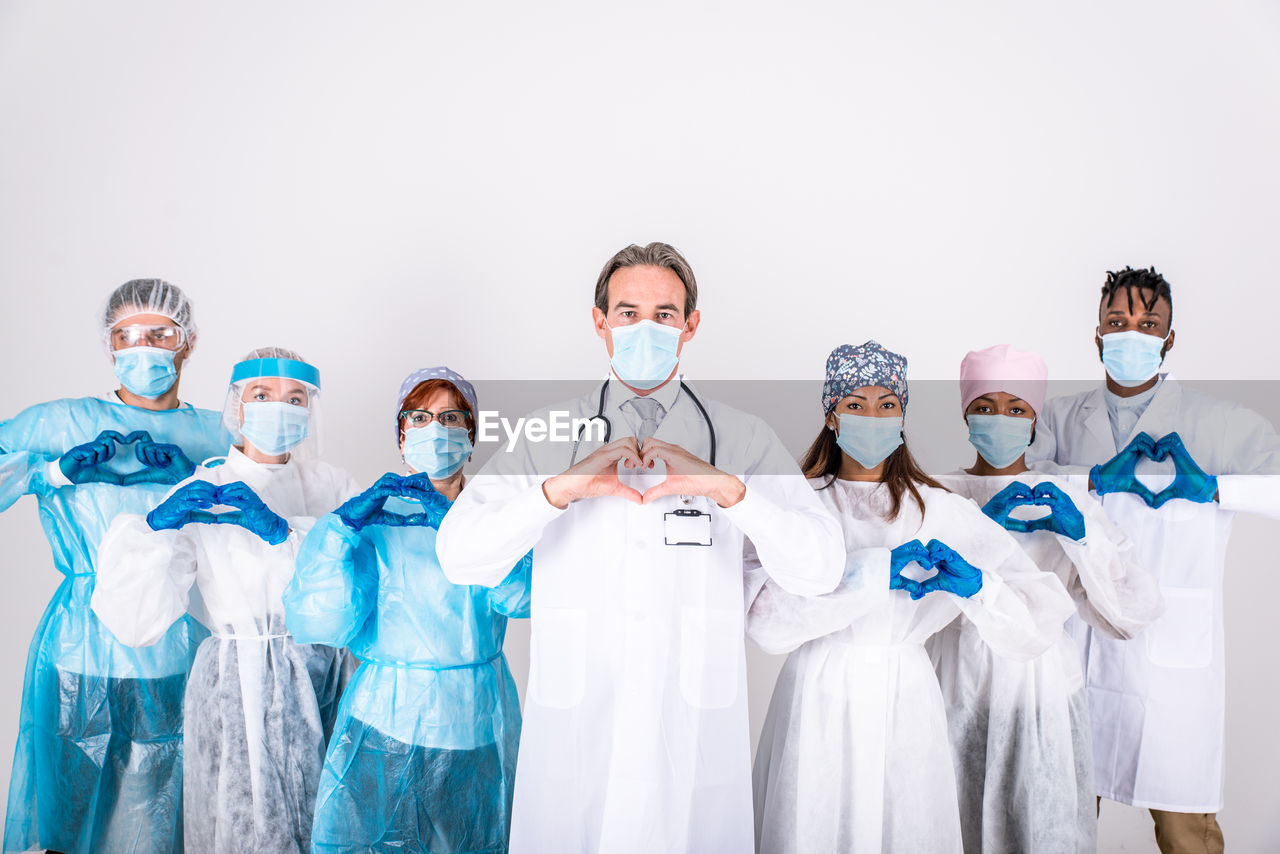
{"x": 1020, "y": 730}
{"x": 854, "y": 755}
{"x": 259, "y": 707}
{"x": 1157, "y": 703}
{"x": 635, "y": 734}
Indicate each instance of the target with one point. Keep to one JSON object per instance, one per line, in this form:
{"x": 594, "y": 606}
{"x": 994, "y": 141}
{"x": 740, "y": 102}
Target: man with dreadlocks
{"x": 1157, "y": 702}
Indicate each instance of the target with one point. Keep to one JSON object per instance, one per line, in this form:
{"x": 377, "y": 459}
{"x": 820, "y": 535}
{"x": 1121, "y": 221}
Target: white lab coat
{"x": 635, "y": 733}
{"x": 259, "y": 707}
{"x": 1157, "y": 702}
{"x": 854, "y": 755}
{"x": 1020, "y": 730}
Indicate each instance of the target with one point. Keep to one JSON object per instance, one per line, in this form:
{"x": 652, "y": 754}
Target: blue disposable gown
{"x": 98, "y": 763}
{"x": 424, "y": 748}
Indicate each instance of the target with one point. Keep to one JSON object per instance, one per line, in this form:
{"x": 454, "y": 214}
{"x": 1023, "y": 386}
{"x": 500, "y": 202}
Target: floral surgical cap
{"x": 850, "y": 368}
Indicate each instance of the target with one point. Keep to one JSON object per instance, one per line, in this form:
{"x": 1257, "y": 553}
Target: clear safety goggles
{"x": 146, "y": 335}
{"x": 413, "y": 418}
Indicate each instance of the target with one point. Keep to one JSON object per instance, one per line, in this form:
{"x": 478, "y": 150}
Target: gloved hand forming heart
{"x": 162, "y": 463}
{"x": 192, "y": 503}
{"x": 1190, "y": 482}
{"x": 955, "y": 575}
{"x": 1064, "y": 517}
{"x": 367, "y": 507}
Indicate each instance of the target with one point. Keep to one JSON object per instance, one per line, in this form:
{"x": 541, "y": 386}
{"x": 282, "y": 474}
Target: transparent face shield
{"x": 274, "y": 405}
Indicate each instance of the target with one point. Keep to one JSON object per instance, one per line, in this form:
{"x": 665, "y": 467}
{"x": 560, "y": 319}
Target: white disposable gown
{"x": 1020, "y": 730}
{"x": 854, "y": 755}
{"x": 1157, "y": 703}
{"x": 259, "y": 707}
{"x": 635, "y": 734}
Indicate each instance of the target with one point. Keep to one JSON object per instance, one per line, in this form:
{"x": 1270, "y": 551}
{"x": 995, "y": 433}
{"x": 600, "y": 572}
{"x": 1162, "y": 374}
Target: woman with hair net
{"x": 854, "y": 753}
{"x": 423, "y": 753}
{"x": 1020, "y": 729}
{"x": 259, "y": 705}
{"x": 98, "y": 761}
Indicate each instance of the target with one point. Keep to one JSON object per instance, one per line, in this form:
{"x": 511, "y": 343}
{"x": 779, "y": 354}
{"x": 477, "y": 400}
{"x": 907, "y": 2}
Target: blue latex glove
{"x": 175, "y": 511}
{"x": 254, "y": 515}
{"x": 163, "y": 463}
{"x": 1190, "y": 481}
{"x": 414, "y": 487}
{"x": 955, "y": 574}
{"x": 1065, "y": 518}
{"x": 1016, "y": 494}
{"x": 909, "y": 552}
{"x": 359, "y": 510}
{"x": 1117, "y": 474}
{"x": 82, "y": 464}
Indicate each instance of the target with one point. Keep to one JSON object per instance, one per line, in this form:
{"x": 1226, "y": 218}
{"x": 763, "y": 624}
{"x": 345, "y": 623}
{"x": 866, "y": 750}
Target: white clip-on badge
{"x": 687, "y": 528}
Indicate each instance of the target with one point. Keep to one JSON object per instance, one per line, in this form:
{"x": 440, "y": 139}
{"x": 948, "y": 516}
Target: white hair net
{"x": 148, "y": 296}
{"x": 275, "y": 362}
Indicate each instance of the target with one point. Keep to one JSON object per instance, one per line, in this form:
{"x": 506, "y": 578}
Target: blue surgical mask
{"x": 1132, "y": 357}
{"x": 1000, "y": 439}
{"x": 274, "y": 427}
{"x": 644, "y": 353}
{"x": 868, "y": 439}
{"x": 146, "y": 371}
{"x": 436, "y": 450}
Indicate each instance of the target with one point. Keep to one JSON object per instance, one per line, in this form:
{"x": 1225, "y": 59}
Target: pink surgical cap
{"x": 1002, "y": 368}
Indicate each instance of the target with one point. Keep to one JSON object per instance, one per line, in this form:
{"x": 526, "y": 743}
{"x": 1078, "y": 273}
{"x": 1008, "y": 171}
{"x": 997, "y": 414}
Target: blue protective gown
{"x": 98, "y": 763}
{"x": 423, "y": 752}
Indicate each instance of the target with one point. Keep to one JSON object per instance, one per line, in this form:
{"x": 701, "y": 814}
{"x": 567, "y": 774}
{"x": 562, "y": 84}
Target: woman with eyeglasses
{"x": 98, "y": 760}
{"x": 422, "y": 757}
{"x": 260, "y": 703}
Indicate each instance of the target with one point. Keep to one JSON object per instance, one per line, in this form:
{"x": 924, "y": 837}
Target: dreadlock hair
{"x": 1130, "y": 280}
{"x": 901, "y": 472}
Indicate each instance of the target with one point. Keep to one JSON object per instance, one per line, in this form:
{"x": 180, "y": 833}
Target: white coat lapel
{"x": 1100, "y": 445}
{"x": 1161, "y": 415}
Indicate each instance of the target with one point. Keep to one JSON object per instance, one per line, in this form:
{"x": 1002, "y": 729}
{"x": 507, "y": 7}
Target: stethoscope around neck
{"x": 608, "y": 425}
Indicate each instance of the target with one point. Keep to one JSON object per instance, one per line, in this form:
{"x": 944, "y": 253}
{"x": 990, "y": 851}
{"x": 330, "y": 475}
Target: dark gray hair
{"x": 654, "y": 255}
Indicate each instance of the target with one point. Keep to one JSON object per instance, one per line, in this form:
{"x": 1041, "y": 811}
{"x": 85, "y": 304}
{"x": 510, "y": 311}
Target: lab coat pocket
{"x": 710, "y": 649}
{"x": 1183, "y": 635}
{"x": 557, "y": 668}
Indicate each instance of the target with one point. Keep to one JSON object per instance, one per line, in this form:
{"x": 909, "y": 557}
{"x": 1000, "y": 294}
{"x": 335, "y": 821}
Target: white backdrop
{"x": 392, "y": 184}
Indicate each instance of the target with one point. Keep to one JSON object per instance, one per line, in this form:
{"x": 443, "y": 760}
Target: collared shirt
{"x": 618, "y": 401}
{"x": 1124, "y": 412}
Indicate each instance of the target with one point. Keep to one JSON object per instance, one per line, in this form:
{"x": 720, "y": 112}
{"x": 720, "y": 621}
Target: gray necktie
{"x": 650, "y": 412}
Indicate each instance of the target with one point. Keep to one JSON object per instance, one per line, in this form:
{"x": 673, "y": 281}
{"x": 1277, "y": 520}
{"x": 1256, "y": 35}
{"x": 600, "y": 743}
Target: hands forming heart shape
{"x": 1190, "y": 481}
{"x": 597, "y": 475}
{"x": 192, "y": 503}
{"x": 162, "y": 462}
{"x": 365, "y": 509}
{"x": 955, "y": 574}
{"x": 1064, "y": 517}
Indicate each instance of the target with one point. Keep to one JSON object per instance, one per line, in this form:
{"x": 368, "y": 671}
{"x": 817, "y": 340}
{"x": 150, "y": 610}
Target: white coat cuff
{"x": 1250, "y": 493}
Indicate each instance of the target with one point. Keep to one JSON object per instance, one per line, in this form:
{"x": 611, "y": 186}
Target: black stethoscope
{"x": 608, "y": 425}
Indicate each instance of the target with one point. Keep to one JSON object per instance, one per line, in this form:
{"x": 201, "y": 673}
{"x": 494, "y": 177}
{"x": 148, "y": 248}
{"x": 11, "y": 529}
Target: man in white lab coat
{"x": 635, "y": 725}
{"x": 1157, "y": 701}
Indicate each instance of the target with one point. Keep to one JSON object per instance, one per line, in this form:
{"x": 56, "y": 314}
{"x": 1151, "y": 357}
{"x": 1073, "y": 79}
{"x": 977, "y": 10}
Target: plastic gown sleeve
{"x": 144, "y": 580}
{"x": 1113, "y": 592}
{"x": 332, "y": 593}
{"x": 1044, "y": 600}
{"x": 1252, "y": 485}
{"x": 513, "y": 597}
{"x": 780, "y": 622}
{"x": 24, "y": 473}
